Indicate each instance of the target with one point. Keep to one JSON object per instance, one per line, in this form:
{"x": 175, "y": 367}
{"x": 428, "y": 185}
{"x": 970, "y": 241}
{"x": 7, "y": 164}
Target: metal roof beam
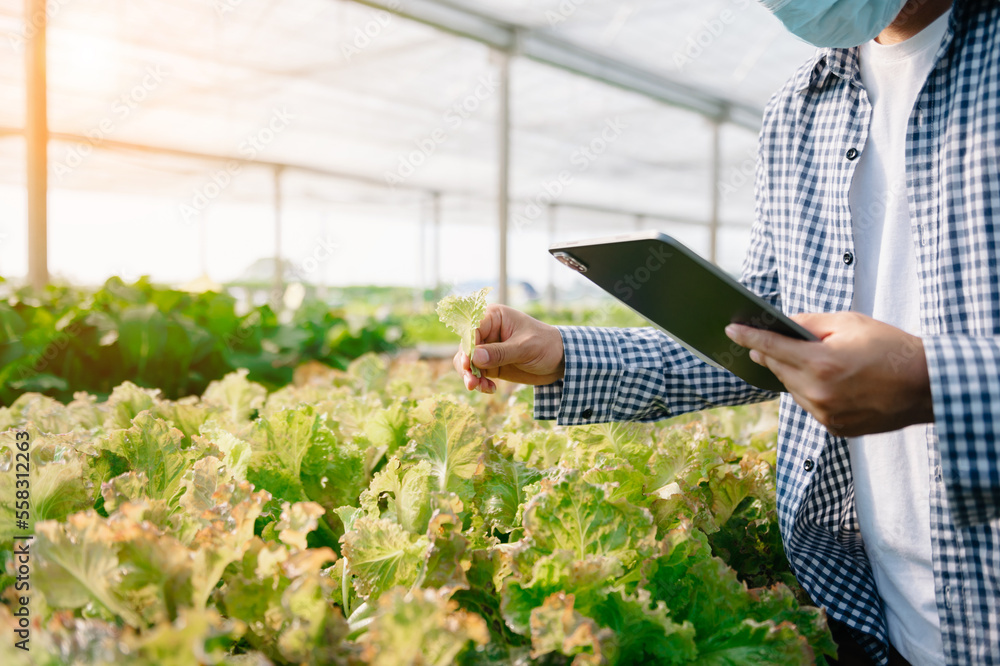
{"x": 454, "y": 18}
{"x": 125, "y": 147}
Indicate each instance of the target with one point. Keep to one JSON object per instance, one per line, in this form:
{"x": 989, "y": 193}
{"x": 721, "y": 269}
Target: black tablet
{"x": 686, "y": 296}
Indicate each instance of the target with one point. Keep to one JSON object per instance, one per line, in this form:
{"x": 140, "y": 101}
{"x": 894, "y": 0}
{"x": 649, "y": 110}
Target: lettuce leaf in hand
{"x": 463, "y": 314}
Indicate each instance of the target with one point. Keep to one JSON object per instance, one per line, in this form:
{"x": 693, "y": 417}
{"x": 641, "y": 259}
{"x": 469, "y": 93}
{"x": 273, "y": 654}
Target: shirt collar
{"x": 827, "y": 63}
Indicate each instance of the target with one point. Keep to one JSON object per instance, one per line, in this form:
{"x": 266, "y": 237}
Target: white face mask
{"x": 837, "y": 23}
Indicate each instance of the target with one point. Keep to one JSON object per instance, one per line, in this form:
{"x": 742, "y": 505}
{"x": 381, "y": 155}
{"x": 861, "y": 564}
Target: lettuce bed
{"x": 379, "y": 516}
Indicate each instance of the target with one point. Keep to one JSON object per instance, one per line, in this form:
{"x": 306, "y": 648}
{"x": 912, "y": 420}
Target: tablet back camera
{"x": 571, "y": 261}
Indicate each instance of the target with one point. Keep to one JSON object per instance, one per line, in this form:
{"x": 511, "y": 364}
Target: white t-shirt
{"x": 891, "y": 480}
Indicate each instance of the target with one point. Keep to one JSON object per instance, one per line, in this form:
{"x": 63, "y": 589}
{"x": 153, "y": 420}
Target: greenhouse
{"x": 428, "y": 332}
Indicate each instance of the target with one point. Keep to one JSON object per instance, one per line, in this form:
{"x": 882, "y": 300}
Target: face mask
{"x": 836, "y": 23}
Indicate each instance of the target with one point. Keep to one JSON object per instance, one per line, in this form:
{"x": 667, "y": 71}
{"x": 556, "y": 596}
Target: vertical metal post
{"x": 436, "y": 221}
{"x": 716, "y": 176}
{"x": 503, "y": 194}
{"x": 36, "y": 134}
{"x": 279, "y": 268}
{"x": 640, "y": 222}
{"x": 551, "y": 288}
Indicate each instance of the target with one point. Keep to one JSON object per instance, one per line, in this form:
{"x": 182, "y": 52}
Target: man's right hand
{"x": 514, "y": 347}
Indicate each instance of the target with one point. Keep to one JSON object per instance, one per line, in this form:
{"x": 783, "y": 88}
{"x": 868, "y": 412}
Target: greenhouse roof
{"x": 151, "y": 97}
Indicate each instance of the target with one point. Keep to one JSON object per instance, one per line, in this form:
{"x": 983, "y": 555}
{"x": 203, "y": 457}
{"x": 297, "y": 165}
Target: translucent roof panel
{"x": 733, "y": 48}
{"x": 164, "y": 106}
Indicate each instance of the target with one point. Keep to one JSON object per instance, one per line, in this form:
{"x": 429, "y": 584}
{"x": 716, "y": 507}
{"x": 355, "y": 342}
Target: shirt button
{"x": 852, "y": 154}
{"x": 587, "y": 413}
{"x": 947, "y": 596}
{"x": 848, "y": 258}
{"x": 808, "y": 465}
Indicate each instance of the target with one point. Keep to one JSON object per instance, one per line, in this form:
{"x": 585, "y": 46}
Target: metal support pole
{"x": 551, "y": 287}
{"x": 640, "y": 222}
{"x": 716, "y": 176}
{"x": 277, "y": 297}
{"x": 436, "y": 221}
{"x": 503, "y": 120}
{"x": 37, "y": 139}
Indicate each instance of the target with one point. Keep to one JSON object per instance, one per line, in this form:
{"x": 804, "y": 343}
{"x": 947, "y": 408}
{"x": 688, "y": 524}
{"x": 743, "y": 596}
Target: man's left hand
{"x": 862, "y": 377}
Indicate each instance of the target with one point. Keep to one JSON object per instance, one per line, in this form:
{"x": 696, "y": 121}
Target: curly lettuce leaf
{"x": 448, "y": 436}
{"x": 285, "y": 599}
{"x": 196, "y": 636}
{"x": 406, "y": 493}
{"x": 423, "y": 627}
{"x": 56, "y": 477}
{"x": 126, "y": 402}
{"x": 382, "y": 555}
{"x": 557, "y": 627}
{"x": 236, "y": 395}
{"x": 280, "y": 443}
{"x": 446, "y": 560}
{"x": 298, "y": 520}
{"x": 77, "y": 562}
{"x": 500, "y": 491}
{"x": 732, "y": 624}
{"x": 571, "y": 514}
{"x": 605, "y": 444}
{"x": 463, "y": 315}
{"x": 153, "y": 448}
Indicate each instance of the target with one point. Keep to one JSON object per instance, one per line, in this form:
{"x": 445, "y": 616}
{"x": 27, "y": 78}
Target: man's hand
{"x": 862, "y": 377}
{"x": 514, "y": 347}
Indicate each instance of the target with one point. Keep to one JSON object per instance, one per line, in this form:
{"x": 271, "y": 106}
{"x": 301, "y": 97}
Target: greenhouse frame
{"x": 516, "y": 49}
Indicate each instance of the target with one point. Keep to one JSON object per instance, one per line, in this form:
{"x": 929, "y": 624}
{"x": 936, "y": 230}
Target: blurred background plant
{"x": 66, "y": 339}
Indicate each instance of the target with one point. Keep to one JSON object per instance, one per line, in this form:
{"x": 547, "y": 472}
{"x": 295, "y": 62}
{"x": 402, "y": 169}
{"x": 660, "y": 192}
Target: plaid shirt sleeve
{"x": 965, "y": 385}
{"x": 634, "y": 374}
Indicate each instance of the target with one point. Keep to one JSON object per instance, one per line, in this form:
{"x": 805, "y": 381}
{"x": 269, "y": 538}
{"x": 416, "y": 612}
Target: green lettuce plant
{"x": 379, "y": 515}
{"x": 463, "y": 315}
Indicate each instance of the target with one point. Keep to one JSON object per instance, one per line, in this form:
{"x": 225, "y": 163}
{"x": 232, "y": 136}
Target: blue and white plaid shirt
{"x": 801, "y": 259}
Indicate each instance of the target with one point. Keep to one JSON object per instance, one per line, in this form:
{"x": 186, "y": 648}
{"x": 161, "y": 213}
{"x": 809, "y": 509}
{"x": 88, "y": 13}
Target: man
{"x": 878, "y": 212}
